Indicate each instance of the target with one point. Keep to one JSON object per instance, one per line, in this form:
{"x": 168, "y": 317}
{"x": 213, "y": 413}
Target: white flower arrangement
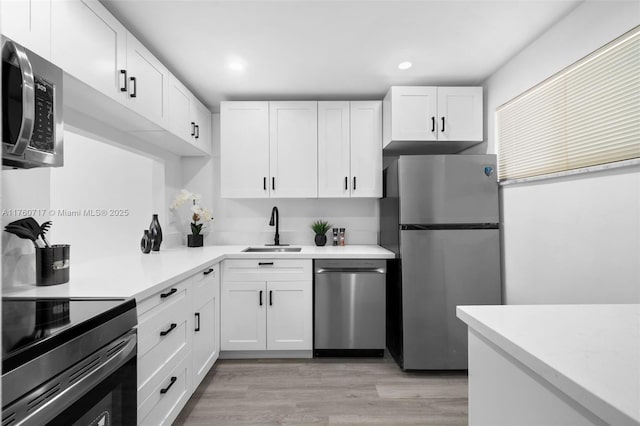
{"x": 198, "y": 213}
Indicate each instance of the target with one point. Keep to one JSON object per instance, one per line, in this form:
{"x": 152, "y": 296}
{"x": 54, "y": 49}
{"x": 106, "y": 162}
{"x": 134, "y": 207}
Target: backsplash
{"x": 247, "y": 221}
{"x": 99, "y": 203}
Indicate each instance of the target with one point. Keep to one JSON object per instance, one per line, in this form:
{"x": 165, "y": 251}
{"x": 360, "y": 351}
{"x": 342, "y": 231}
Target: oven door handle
{"x": 17, "y": 55}
{"x": 116, "y": 355}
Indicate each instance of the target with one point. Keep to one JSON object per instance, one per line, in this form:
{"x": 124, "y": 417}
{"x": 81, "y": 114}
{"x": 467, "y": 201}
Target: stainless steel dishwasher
{"x": 349, "y": 307}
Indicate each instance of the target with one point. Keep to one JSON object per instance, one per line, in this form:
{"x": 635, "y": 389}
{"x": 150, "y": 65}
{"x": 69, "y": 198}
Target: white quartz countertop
{"x": 139, "y": 275}
{"x": 589, "y": 352}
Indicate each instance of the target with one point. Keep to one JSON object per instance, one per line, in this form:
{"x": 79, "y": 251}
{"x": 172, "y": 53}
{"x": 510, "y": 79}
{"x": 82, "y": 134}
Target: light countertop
{"x": 589, "y": 352}
{"x": 139, "y": 275}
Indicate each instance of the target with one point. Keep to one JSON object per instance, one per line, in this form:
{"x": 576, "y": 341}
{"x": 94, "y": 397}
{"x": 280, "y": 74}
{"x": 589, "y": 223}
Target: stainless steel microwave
{"x": 32, "y": 125}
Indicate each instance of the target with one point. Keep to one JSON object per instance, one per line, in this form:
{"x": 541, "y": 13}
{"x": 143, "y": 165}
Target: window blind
{"x": 586, "y": 115}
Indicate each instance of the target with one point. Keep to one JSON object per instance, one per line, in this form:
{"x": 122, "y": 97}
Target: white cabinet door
{"x": 244, "y": 149}
{"x": 293, "y": 141}
{"x": 204, "y": 338}
{"x": 289, "y": 315}
{"x": 148, "y": 83}
{"x": 206, "y": 322}
{"x": 28, "y": 22}
{"x": 460, "y": 113}
{"x": 334, "y": 154}
{"x": 90, "y": 44}
{"x": 243, "y": 316}
{"x": 413, "y": 113}
{"x": 366, "y": 149}
{"x": 180, "y": 99}
{"x": 201, "y": 116}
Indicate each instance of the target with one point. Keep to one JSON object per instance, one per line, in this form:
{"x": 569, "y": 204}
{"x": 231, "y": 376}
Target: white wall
{"x": 573, "y": 239}
{"x": 99, "y": 178}
{"x": 247, "y": 221}
{"x": 106, "y": 172}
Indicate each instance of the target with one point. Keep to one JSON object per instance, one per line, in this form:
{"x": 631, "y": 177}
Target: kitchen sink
{"x": 272, "y": 250}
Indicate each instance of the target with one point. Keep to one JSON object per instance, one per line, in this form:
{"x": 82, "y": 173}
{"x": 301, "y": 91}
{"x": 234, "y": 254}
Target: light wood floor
{"x": 325, "y": 391}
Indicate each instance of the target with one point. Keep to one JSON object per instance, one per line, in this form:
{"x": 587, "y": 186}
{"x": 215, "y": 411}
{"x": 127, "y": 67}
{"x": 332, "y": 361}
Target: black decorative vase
{"x": 320, "y": 240}
{"x": 155, "y": 233}
{"x": 195, "y": 240}
{"x": 145, "y": 242}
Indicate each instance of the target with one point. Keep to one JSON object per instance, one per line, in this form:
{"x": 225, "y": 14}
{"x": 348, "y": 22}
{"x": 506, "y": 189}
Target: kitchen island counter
{"x": 139, "y": 275}
{"x": 568, "y": 364}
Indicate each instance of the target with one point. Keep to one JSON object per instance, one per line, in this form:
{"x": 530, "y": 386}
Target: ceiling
{"x": 329, "y": 49}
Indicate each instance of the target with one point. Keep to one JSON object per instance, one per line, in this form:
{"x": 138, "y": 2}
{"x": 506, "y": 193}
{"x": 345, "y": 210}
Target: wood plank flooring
{"x": 336, "y": 391}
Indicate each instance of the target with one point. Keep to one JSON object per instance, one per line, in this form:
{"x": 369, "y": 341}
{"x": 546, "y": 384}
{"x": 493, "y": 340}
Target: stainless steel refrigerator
{"x": 440, "y": 215}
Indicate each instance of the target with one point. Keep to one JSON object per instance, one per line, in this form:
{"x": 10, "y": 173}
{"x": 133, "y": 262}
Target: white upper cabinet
{"x": 293, "y": 140}
{"x": 313, "y": 149}
{"x": 460, "y": 113}
{"x": 412, "y": 114}
{"x": 366, "y": 149}
{"x": 244, "y": 149}
{"x": 416, "y": 113}
{"x": 90, "y": 44}
{"x": 201, "y": 117}
{"x": 180, "y": 99}
{"x": 334, "y": 149}
{"x": 188, "y": 118}
{"x": 148, "y": 83}
{"x": 28, "y": 22}
{"x": 349, "y": 149}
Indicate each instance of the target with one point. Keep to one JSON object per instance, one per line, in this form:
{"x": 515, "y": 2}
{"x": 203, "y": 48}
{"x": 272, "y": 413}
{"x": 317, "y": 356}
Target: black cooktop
{"x": 33, "y": 326}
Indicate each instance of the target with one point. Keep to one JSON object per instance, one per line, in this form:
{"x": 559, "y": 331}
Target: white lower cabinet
{"x": 266, "y": 305}
{"x": 178, "y": 342}
{"x": 206, "y": 323}
{"x": 288, "y": 315}
{"x": 243, "y": 316}
{"x": 168, "y": 396}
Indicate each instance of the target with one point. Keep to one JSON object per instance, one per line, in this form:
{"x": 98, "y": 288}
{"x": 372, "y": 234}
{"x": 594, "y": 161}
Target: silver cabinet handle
{"x": 349, "y": 270}
{"x": 15, "y": 54}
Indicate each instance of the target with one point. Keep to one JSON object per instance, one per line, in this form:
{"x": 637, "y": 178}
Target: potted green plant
{"x": 320, "y": 227}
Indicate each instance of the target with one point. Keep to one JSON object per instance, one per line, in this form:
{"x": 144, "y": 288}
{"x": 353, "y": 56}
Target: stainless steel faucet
{"x": 275, "y": 215}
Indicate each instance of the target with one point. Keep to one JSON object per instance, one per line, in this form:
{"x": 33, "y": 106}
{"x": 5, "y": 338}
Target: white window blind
{"x": 586, "y": 115}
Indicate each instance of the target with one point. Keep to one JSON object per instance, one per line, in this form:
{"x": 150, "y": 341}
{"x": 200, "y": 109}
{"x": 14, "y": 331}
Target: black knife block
{"x": 52, "y": 264}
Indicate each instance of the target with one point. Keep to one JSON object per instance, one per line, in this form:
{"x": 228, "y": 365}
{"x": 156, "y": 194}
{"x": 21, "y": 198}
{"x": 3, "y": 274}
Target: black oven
{"x": 69, "y": 362}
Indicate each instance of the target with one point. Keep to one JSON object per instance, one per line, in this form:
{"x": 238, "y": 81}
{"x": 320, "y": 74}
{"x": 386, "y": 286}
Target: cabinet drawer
{"x": 203, "y": 284}
{"x": 266, "y": 270}
{"x": 162, "y": 297}
{"x": 167, "y": 397}
{"x": 163, "y": 334}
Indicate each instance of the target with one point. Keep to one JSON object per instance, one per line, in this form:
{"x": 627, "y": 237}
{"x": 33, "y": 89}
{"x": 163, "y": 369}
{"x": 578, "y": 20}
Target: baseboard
{"x": 264, "y": 354}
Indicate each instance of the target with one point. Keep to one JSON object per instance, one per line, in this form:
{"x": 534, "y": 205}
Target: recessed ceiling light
{"x": 404, "y": 65}
{"x": 236, "y": 65}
